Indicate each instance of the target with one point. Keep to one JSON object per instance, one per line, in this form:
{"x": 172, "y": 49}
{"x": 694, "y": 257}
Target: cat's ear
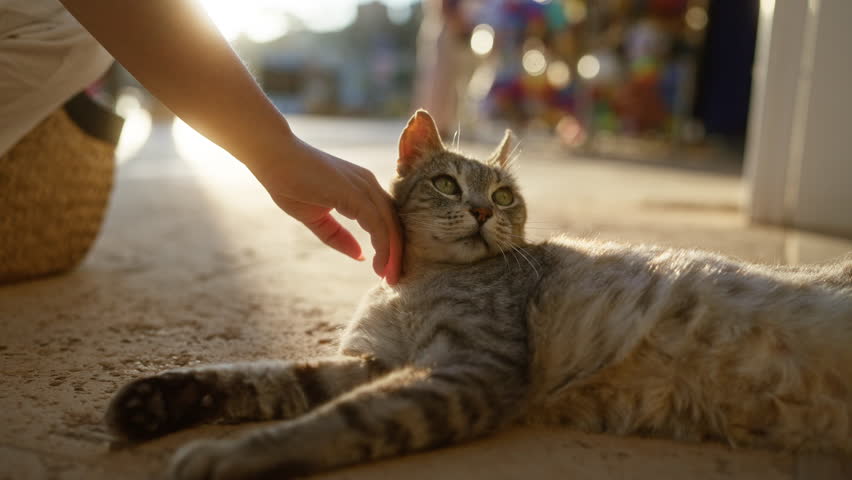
{"x": 501, "y": 154}
{"x": 419, "y": 138}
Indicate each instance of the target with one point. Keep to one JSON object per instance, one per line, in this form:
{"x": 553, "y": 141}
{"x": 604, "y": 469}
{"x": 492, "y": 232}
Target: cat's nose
{"x": 481, "y": 214}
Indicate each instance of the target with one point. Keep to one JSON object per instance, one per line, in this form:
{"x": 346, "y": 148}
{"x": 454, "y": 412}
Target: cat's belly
{"x": 702, "y": 397}
{"x": 690, "y": 346}
{"x": 643, "y": 395}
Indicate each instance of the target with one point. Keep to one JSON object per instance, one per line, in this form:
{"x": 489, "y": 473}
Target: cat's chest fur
{"x": 396, "y": 323}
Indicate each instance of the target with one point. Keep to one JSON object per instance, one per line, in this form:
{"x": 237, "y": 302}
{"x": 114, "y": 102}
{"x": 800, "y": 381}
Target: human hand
{"x": 308, "y": 184}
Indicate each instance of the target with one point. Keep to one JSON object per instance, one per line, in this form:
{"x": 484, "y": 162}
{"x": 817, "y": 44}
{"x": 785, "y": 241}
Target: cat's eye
{"x": 503, "y": 197}
{"x": 446, "y": 185}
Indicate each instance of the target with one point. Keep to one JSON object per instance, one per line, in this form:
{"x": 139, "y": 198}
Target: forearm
{"x": 173, "y": 48}
{"x": 175, "y": 51}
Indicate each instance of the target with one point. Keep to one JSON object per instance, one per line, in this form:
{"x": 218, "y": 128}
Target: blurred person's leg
{"x": 435, "y": 88}
{"x": 56, "y": 162}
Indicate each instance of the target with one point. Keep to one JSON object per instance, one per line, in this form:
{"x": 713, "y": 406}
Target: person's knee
{"x": 44, "y": 61}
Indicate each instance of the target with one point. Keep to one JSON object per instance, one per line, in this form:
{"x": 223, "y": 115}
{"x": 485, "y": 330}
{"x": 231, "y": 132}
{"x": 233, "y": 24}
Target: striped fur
{"x": 486, "y": 330}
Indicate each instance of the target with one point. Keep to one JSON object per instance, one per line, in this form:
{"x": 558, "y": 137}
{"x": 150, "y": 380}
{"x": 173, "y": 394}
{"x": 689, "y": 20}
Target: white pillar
{"x": 799, "y": 149}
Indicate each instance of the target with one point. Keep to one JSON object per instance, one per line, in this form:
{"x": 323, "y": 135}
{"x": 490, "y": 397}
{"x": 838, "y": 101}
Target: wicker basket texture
{"x": 54, "y": 188}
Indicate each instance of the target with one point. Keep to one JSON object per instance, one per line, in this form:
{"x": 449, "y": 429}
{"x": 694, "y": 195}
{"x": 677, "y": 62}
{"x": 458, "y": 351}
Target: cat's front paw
{"x": 153, "y": 406}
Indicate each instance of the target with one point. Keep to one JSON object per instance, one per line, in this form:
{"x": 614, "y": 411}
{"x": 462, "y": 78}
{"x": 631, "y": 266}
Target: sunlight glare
{"x": 255, "y": 18}
{"x": 203, "y": 155}
{"x": 136, "y": 129}
{"x": 228, "y": 17}
{"x": 266, "y": 28}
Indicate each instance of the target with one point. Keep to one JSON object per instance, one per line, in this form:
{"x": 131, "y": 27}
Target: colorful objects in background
{"x": 625, "y": 67}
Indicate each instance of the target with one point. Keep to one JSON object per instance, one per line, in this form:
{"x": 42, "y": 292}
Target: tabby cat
{"x": 486, "y": 330}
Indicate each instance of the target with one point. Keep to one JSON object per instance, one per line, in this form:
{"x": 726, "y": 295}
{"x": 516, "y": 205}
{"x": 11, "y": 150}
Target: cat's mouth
{"x": 475, "y": 237}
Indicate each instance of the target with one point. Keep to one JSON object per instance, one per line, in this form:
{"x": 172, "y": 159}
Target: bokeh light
{"x": 137, "y": 125}
{"x": 482, "y": 39}
{"x": 558, "y": 74}
{"x": 534, "y": 62}
{"x": 575, "y": 10}
{"x": 696, "y": 18}
{"x": 588, "y": 67}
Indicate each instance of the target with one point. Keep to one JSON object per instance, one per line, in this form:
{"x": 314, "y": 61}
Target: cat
{"x": 486, "y": 330}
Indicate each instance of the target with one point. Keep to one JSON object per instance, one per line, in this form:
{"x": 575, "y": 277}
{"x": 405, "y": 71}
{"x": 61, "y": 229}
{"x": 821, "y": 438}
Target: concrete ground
{"x": 196, "y": 265}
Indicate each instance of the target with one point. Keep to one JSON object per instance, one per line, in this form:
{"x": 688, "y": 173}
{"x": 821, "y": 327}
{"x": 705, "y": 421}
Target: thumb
{"x": 332, "y": 233}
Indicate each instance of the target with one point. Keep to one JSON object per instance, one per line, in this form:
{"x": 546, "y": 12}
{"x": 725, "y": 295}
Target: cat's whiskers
{"x": 526, "y": 256}
{"x": 528, "y": 259}
{"x": 497, "y": 242}
{"x": 456, "y": 136}
{"x": 509, "y": 245}
{"x": 417, "y": 221}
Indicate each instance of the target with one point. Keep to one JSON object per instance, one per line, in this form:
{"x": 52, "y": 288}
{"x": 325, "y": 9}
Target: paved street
{"x": 196, "y": 265}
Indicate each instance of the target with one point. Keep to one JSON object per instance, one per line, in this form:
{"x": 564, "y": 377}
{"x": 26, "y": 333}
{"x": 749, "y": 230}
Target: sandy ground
{"x": 196, "y": 265}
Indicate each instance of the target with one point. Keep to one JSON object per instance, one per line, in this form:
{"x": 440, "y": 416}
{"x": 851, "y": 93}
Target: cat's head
{"x": 455, "y": 209}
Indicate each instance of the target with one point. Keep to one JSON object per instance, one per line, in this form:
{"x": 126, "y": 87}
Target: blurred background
{"x": 714, "y": 124}
{"x": 713, "y": 84}
{"x": 593, "y": 74}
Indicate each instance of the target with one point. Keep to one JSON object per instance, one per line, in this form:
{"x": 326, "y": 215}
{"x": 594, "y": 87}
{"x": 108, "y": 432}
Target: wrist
{"x": 272, "y": 148}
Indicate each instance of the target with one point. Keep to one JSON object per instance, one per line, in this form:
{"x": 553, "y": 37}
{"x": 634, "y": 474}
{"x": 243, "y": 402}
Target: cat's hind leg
{"x": 176, "y": 399}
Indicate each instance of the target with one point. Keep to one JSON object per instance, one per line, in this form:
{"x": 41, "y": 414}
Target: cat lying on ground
{"x": 486, "y": 330}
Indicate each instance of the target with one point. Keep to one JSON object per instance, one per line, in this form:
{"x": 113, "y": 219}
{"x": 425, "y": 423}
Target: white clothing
{"x": 46, "y": 57}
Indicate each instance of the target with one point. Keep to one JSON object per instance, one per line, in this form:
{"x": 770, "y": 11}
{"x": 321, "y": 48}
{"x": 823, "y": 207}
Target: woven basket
{"x": 54, "y": 188}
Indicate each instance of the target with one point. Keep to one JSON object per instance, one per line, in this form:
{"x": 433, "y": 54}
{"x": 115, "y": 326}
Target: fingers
{"x": 394, "y": 266}
{"x": 327, "y": 229}
{"x": 351, "y": 190}
{"x": 362, "y": 208}
{"x": 390, "y": 263}
{"x": 380, "y": 220}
